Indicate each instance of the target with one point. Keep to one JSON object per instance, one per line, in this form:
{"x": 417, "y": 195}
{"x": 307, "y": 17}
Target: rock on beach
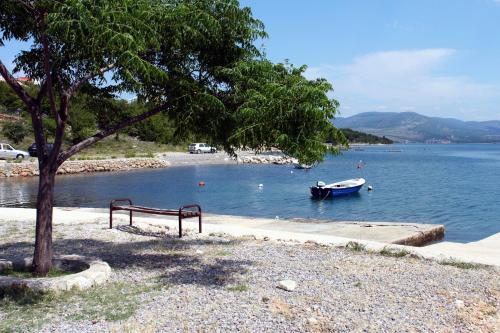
{"x": 288, "y": 285}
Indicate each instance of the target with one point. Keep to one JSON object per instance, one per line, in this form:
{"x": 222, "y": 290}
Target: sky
{"x": 438, "y": 58}
{"x": 435, "y": 57}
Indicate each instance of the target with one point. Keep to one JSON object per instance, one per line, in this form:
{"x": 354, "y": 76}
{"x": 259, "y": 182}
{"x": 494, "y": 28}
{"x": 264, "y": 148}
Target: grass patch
{"x": 220, "y": 253}
{"x": 358, "y": 284}
{"x": 391, "y": 252}
{"x": 27, "y": 274}
{"x": 110, "y": 302}
{"x": 462, "y": 264}
{"x": 356, "y": 247}
{"x": 238, "y": 288}
{"x": 130, "y": 154}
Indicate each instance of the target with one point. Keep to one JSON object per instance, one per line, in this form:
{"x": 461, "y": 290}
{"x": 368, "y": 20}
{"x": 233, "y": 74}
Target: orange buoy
{"x": 202, "y": 183}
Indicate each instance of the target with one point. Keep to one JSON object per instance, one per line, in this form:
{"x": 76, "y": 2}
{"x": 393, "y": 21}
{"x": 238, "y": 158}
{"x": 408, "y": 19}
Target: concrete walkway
{"x": 372, "y": 236}
{"x": 386, "y": 232}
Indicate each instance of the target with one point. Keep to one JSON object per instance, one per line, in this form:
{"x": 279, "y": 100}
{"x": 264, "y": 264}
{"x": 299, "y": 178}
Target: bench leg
{"x": 110, "y": 219}
{"x": 180, "y": 226}
{"x": 130, "y": 218}
{"x": 199, "y": 223}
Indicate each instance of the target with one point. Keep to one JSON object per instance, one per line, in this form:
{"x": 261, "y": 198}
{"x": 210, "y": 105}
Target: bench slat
{"x": 159, "y": 211}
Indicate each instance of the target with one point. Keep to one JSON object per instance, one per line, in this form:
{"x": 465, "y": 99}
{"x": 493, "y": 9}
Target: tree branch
{"x": 18, "y": 89}
{"x": 48, "y": 71}
{"x": 107, "y": 132}
{"x": 41, "y": 92}
{"x": 59, "y": 134}
{"x": 27, "y": 5}
{"x": 87, "y": 77}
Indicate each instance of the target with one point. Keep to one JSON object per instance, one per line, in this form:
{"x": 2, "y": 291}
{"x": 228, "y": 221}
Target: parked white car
{"x": 200, "y": 148}
{"x": 7, "y": 151}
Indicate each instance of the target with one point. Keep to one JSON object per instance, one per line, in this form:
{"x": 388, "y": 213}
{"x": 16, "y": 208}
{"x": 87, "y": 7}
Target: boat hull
{"x": 329, "y": 191}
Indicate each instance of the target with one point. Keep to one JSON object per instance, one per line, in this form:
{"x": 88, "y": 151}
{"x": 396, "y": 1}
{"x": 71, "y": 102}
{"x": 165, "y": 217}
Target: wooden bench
{"x": 183, "y": 212}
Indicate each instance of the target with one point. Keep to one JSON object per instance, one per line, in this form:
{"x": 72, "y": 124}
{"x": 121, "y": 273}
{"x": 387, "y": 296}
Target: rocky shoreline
{"x": 29, "y": 169}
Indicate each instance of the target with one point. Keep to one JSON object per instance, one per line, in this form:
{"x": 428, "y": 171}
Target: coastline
{"x": 161, "y": 160}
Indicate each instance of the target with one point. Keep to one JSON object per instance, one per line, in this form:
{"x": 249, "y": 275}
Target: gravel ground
{"x": 184, "y": 158}
{"x": 213, "y": 283}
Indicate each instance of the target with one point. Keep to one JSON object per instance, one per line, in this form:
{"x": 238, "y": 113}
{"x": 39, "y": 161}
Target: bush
{"x": 15, "y": 131}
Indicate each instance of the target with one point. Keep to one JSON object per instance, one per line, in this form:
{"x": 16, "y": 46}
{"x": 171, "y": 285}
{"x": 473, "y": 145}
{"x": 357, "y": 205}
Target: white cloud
{"x": 409, "y": 80}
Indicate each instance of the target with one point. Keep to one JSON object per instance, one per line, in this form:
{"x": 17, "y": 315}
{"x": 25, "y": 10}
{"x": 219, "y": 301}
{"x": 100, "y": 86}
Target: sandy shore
{"x": 218, "y": 283}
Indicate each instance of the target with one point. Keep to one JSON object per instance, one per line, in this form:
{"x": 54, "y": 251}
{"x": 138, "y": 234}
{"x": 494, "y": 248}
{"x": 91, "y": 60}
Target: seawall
{"x": 29, "y": 169}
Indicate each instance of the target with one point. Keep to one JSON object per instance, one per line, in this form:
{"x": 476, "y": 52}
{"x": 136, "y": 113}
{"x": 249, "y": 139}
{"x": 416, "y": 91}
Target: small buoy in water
{"x": 261, "y": 185}
{"x": 291, "y": 171}
{"x": 370, "y": 187}
{"x": 201, "y": 184}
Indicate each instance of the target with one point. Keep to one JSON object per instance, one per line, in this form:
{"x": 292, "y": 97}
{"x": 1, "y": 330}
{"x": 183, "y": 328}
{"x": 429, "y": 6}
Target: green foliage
{"x": 49, "y": 126}
{"x": 130, "y": 154}
{"x": 8, "y": 98}
{"x": 355, "y": 246}
{"x": 82, "y": 120}
{"x": 15, "y": 131}
{"x": 278, "y": 106}
{"x": 360, "y": 137}
{"x": 393, "y": 252}
{"x": 196, "y": 57}
{"x": 24, "y": 310}
{"x": 25, "y": 274}
{"x": 462, "y": 264}
{"x": 157, "y": 128}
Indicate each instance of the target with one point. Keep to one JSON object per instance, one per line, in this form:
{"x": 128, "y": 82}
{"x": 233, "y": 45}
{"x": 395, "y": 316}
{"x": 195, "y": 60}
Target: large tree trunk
{"x": 42, "y": 259}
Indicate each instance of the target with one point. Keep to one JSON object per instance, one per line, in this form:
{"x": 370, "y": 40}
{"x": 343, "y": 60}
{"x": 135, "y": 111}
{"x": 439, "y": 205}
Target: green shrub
{"x": 130, "y": 154}
{"x": 392, "y": 252}
{"x": 15, "y": 131}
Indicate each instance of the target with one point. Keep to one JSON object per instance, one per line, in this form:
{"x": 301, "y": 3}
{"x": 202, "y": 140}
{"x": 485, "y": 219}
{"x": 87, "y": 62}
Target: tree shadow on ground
{"x": 175, "y": 259}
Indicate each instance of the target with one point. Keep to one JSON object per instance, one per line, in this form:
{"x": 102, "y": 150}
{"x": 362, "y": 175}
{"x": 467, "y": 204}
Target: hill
{"x": 360, "y": 137}
{"x": 414, "y": 127}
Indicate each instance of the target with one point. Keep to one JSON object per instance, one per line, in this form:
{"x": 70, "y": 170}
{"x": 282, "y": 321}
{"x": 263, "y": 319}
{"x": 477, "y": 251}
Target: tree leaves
{"x": 198, "y": 57}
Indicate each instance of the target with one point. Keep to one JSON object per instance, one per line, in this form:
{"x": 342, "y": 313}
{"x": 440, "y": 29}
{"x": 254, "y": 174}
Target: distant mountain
{"x": 414, "y": 127}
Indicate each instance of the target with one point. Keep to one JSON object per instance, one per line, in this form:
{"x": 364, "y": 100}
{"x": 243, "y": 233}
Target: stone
{"x": 312, "y": 320}
{"x": 288, "y": 285}
{"x": 459, "y": 303}
{"x": 199, "y": 252}
{"x": 96, "y": 273}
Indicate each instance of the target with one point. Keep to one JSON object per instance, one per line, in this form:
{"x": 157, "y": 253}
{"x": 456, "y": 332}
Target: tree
{"x": 194, "y": 60}
{"x": 14, "y": 131}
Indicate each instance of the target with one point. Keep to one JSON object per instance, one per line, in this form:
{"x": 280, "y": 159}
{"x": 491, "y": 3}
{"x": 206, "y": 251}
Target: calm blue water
{"x": 454, "y": 185}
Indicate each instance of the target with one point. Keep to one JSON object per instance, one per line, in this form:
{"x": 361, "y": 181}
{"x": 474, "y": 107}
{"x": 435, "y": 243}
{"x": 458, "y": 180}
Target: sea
{"x": 457, "y": 185}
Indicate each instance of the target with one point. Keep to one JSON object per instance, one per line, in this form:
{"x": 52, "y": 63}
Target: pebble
{"x": 288, "y": 285}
